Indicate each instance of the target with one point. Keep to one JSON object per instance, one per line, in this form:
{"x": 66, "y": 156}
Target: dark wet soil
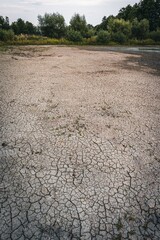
{"x": 148, "y": 57}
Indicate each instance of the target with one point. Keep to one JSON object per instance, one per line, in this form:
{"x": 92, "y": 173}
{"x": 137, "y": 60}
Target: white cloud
{"x": 94, "y": 10}
{"x": 16, "y": 7}
{"x": 65, "y": 2}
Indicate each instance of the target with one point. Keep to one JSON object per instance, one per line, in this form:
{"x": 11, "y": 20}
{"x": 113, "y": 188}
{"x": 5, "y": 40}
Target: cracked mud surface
{"x": 79, "y": 145}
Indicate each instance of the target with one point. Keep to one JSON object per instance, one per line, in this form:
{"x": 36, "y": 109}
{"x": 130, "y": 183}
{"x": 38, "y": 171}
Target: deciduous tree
{"x": 52, "y": 25}
{"x": 78, "y": 23}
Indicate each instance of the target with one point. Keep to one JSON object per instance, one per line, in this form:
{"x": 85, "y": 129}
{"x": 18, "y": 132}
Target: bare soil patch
{"x": 79, "y": 146}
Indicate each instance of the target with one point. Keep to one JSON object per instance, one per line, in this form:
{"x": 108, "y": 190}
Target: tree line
{"x": 140, "y": 21}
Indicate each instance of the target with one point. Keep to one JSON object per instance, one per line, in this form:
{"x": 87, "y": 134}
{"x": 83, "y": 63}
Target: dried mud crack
{"x": 79, "y": 145}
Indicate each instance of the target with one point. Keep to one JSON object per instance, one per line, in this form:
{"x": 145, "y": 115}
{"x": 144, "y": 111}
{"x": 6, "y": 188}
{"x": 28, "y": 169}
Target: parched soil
{"x": 79, "y": 144}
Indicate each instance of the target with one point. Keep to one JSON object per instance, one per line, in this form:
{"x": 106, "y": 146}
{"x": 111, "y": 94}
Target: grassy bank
{"x": 38, "y": 40}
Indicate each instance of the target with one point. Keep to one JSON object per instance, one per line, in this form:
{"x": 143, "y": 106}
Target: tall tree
{"x": 78, "y": 23}
{"x": 140, "y": 29}
{"x": 119, "y": 25}
{"x": 150, "y": 9}
{"x": 125, "y": 13}
{"x": 22, "y": 27}
{"x": 30, "y": 28}
{"x": 4, "y": 23}
{"x": 52, "y": 25}
{"x": 104, "y": 24}
{"x": 145, "y": 9}
{"x": 19, "y": 26}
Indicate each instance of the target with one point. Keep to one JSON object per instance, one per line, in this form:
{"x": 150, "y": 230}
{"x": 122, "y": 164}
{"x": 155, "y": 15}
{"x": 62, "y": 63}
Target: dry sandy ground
{"x": 79, "y": 146}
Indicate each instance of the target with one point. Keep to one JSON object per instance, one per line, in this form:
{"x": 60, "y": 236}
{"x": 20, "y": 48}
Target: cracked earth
{"x": 79, "y": 145}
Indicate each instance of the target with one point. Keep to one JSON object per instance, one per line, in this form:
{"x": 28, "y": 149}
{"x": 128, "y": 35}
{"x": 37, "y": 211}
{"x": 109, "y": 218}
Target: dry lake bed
{"x": 79, "y": 144}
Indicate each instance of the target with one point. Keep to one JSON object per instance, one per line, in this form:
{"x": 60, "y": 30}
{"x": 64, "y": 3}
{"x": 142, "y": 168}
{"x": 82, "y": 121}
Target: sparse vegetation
{"x": 119, "y": 224}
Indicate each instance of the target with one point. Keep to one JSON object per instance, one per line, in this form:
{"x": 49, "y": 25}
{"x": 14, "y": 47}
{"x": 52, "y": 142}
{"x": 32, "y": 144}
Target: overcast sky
{"x": 94, "y": 10}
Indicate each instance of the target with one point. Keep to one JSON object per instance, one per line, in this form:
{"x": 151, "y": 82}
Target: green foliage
{"x": 119, "y": 37}
{"x": 30, "y": 28}
{"x": 90, "y": 33}
{"x": 148, "y": 9}
{"x": 31, "y": 37}
{"x": 6, "y": 35}
{"x": 38, "y": 40}
{"x": 78, "y": 23}
{"x": 90, "y": 41}
{"x": 140, "y": 29}
{"x": 128, "y": 12}
{"x": 4, "y": 23}
{"x": 119, "y": 26}
{"x": 145, "y": 42}
{"x": 155, "y": 35}
{"x": 19, "y": 26}
{"x": 103, "y": 37}
{"x": 52, "y": 25}
{"x": 148, "y": 41}
{"x": 119, "y": 29}
{"x": 104, "y": 24}
{"x": 74, "y": 36}
{"x": 22, "y": 27}
{"x": 124, "y": 13}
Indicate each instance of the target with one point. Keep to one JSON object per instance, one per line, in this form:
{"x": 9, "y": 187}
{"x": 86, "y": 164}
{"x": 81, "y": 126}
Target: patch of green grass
{"x": 119, "y": 224}
{"x": 144, "y": 42}
{"x": 39, "y": 41}
{"x": 25, "y": 39}
{"x": 129, "y": 216}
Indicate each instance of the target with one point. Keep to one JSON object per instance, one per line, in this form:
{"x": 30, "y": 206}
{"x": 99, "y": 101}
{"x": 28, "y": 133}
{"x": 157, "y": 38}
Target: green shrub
{"x": 140, "y": 29}
{"x": 39, "y": 41}
{"x": 116, "y": 25}
{"x": 90, "y": 33}
{"x": 2, "y": 34}
{"x": 21, "y": 37}
{"x": 142, "y": 42}
{"x": 103, "y": 37}
{"x": 155, "y": 35}
{"x": 90, "y": 41}
{"x": 119, "y": 37}
{"x": 6, "y": 35}
{"x": 35, "y": 37}
{"x": 148, "y": 41}
{"x": 74, "y": 36}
